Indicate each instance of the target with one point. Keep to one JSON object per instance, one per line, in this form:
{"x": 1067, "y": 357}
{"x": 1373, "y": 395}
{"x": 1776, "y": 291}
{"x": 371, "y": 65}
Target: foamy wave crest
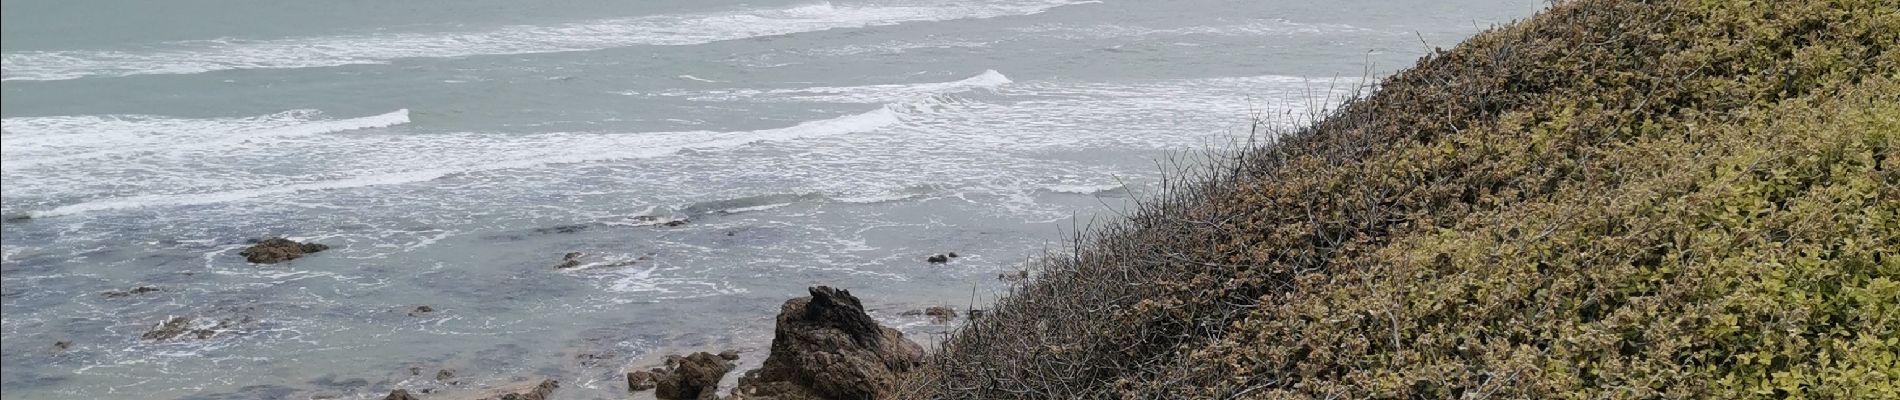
{"x": 376, "y": 160}
{"x": 989, "y": 79}
{"x": 1255, "y": 28}
{"x": 189, "y": 57}
{"x": 35, "y": 141}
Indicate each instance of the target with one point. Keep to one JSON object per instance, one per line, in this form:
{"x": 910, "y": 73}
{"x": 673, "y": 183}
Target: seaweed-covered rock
{"x": 276, "y": 250}
{"x": 826, "y": 347}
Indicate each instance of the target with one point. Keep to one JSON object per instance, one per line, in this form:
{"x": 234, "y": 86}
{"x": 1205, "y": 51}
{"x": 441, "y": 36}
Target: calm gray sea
{"x": 451, "y": 151}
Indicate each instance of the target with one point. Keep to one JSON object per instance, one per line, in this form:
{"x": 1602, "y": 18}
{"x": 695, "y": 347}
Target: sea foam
{"x": 197, "y": 56}
{"x": 415, "y": 161}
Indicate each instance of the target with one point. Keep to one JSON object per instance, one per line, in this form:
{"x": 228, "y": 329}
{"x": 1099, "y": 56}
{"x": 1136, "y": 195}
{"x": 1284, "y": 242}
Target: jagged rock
{"x": 826, "y": 347}
{"x": 641, "y": 380}
{"x": 938, "y": 259}
{"x": 941, "y": 313}
{"x": 691, "y": 377}
{"x": 275, "y": 250}
{"x": 444, "y": 374}
{"x": 399, "y": 394}
{"x": 729, "y": 355}
{"x": 130, "y": 292}
{"x": 539, "y": 392}
{"x": 171, "y": 328}
{"x": 569, "y": 260}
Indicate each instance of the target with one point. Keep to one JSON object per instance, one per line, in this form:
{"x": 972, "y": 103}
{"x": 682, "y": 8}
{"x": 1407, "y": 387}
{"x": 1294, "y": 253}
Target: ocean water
{"x": 451, "y": 152}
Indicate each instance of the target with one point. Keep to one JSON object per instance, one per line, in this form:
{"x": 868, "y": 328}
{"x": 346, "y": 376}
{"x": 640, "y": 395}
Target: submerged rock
{"x": 420, "y": 310}
{"x": 941, "y": 313}
{"x": 130, "y": 292}
{"x": 826, "y": 347}
{"x": 276, "y": 250}
{"x": 570, "y": 260}
{"x": 561, "y": 229}
{"x": 937, "y": 259}
{"x": 539, "y": 392}
{"x": 180, "y": 327}
{"x": 729, "y": 355}
{"x": 171, "y": 328}
{"x": 938, "y": 313}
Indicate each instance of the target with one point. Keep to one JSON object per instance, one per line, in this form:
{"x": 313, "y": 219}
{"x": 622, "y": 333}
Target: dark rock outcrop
{"x": 569, "y": 260}
{"x": 399, "y": 394}
{"x": 276, "y": 250}
{"x": 641, "y": 380}
{"x": 691, "y": 377}
{"x": 826, "y": 347}
{"x": 937, "y": 259}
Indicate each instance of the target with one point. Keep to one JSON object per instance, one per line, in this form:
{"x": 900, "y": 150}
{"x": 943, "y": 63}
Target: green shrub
{"x": 1680, "y": 199}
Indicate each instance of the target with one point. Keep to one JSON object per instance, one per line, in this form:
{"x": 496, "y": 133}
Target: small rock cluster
{"x": 692, "y": 377}
{"x": 276, "y": 250}
{"x": 940, "y": 258}
{"x": 180, "y": 327}
{"x": 940, "y": 314}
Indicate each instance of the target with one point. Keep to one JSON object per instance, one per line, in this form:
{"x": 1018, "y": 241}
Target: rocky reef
{"x": 276, "y": 250}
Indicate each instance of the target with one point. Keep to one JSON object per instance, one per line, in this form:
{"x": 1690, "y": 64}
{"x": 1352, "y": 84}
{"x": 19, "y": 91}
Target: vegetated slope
{"x": 1622, "y": 199}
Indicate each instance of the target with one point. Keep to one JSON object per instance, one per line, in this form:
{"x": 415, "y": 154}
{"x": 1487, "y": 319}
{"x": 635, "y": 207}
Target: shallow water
{"x": 452, "y": 152}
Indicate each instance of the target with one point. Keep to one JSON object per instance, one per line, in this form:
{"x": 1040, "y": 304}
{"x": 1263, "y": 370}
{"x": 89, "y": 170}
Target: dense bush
{"x": 1674, "y": 199}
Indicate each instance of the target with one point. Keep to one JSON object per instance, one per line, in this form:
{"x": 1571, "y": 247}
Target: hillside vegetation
{"x": 1611, "y": 199}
